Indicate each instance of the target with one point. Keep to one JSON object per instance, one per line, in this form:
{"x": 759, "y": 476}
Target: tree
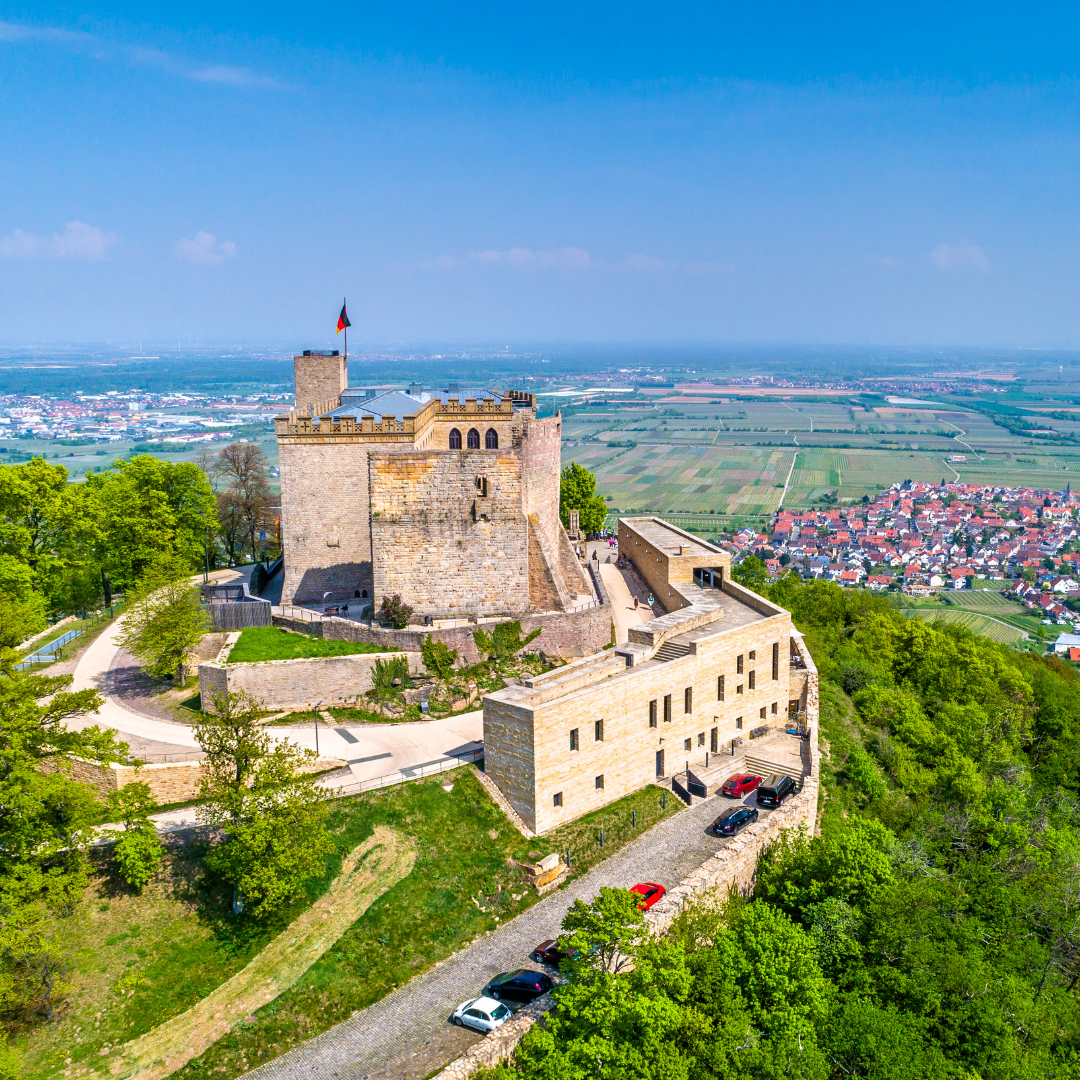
{"x": 577, "y": 491}
{"x": 165, "y": 621}
{"x": 751, "y": 573}
{"x": 244, "y": 501}
{"x": 138, "y": 848}
{"x": 438, "y": 657}
{"x": 608, "y": 931}
{"x": 395, "y": 611}
{"x": 274, "y": 817}
{"x": 46, "y": 821}
{"x": 148, "y": 510}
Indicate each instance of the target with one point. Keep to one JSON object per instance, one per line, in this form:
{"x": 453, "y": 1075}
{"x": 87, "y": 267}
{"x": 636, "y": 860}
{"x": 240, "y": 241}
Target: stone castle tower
{"x": 448, "y": 498}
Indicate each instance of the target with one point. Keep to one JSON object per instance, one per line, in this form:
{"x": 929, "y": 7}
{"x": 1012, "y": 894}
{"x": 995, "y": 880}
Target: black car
{"x": 550, "y": 952}
{"x": 733, "y": 820}
{"x": 520, "y": 985}
{"x": 773, "y": 790}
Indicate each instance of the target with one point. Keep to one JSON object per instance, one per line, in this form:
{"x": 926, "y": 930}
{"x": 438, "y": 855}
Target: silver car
{"x": 482, "y": 1014}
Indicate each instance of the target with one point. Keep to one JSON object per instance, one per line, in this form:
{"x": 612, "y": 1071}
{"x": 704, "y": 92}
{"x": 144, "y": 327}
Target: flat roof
{"x": 355, "y": 402}
{"x": 667, "y": 538}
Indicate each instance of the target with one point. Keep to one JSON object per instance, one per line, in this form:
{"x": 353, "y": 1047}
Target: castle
{"x": 447, "y": 498}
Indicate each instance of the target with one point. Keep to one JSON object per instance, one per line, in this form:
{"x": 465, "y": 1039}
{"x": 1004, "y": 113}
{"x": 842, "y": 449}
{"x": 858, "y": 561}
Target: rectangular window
{"x": 738, "y": 664}
{"x": 558, "y": 798}
{"x": 750, "y": 680}
{"x": 667, "y": 708}
{"x": 753, "y": 654}
{"x": 761, "y": 712}
{"x": 598, "y": 731}
{"x": 686, "y": 744}
{"x": 719, "y": 687}
{"x": 652, "y": 713}
{"x": 573, "y": 739}
{"x": 738, "y": 722}
{"x": 776, "y": 660}
{"x": 774, "y": 708}
{"x": 738, "y": 689}
{"x": 688, "y": 699}
{"x": 600, "y": 782}
{"x": 701, "y": 738}
{"x": 714, "y": 740}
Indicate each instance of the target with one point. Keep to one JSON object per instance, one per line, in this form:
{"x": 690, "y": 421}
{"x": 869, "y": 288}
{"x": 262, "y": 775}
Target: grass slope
{"x": 977, "y": 623}
{"x": 259, "y": 643}
{"x": 142, "y": 960}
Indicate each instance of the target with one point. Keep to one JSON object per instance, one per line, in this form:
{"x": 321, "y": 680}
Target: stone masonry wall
{"x": 439, "y": 542}
{"x": 296, "y": 684}
{"x": 318, "y": 379}
{"x": 564, "y": 633}
{"x": 325, "y": 520}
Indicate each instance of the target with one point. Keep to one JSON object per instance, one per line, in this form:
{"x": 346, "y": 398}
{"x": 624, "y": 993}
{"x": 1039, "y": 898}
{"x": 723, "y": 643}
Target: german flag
{"x": 343, "y": 319}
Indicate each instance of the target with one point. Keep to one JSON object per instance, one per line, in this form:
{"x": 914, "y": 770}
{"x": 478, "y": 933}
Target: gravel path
{"x": 389, "y": 1036}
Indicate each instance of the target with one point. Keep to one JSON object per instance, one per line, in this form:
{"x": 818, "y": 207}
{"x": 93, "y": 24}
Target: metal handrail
{"x": 404, "y": 776}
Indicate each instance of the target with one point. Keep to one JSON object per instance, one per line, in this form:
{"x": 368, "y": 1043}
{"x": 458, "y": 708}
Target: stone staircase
{"x": 671, "y": 650}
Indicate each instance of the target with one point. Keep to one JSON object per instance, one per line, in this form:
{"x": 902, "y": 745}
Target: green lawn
{"x": 140, "y": 960}
{"x": 259, "y": 643}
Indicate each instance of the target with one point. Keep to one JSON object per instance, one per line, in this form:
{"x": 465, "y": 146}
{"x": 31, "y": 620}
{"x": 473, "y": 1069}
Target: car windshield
{"x": 500, "y": 1012}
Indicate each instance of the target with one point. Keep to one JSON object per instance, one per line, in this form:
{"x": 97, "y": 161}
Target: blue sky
{"x": 499, "y": 173}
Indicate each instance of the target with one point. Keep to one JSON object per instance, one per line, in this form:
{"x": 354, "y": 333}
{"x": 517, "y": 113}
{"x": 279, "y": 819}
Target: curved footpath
{"x": 371, "y": 750}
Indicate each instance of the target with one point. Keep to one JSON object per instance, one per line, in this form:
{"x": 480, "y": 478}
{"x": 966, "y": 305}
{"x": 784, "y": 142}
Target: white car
{"x": 482, "y": 1014}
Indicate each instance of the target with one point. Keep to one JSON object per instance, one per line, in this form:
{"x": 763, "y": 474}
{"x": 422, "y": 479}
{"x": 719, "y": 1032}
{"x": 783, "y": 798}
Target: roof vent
{"x": 415, "y": 388}
{"x": 453, "y": 388}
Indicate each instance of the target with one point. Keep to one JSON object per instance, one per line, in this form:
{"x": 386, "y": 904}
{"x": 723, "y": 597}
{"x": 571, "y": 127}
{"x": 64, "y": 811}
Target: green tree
{"x": 46, "y": 821}
{"x": 438, "y": 657}
{"x": 577, "y": 491}
{"x": 751, "y": 573}
{"x": 164, "y": 621}
{"x": 607, "y": 932}
{"x": 274, "y": 817}
{"x": 148, "y": 510}
{"x": 138, "y": 847}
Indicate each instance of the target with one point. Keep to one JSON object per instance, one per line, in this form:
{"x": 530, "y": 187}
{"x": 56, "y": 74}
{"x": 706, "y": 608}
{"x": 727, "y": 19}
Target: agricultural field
{"x": 730, "y": 458}
{"x": 977, "y": 623}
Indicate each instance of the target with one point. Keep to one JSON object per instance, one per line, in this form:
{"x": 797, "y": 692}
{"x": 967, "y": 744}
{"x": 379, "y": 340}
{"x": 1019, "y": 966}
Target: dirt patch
{"x": 369, "y": 871}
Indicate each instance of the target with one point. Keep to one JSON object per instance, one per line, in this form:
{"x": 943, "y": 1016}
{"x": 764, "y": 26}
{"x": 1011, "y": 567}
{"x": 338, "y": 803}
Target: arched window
{"x": 474, "y": 439}
{"x": 491, "y": 439}
{"x": 356, "y": 594}
{"x": 455, "y": 439}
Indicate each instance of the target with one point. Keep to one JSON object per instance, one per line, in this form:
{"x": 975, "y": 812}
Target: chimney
{"x": 414, "y": 389}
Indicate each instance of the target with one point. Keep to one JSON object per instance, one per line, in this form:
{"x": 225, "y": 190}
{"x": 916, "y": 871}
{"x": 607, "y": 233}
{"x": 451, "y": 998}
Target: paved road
{"x": 386, "y": 1038}
{"x": 621, "y": 590}
{"x": 371, "y": 750}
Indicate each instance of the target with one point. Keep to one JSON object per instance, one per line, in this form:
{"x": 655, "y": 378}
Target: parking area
{"x": 407, "y": 1035}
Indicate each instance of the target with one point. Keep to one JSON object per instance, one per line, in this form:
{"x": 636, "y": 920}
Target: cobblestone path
{"x": 403, "y": 1024}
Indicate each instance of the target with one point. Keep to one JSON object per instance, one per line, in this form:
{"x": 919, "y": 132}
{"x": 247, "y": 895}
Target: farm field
{"x": 974, "y": 621}
{"x": 730, "y": 460}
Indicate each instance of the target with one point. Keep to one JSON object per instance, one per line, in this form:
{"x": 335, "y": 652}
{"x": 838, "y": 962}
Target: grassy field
{"x": 259, "y": 643}
{"x": 141, "y": 960}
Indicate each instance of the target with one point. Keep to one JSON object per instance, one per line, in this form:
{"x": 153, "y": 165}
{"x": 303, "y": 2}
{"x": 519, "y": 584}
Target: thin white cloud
{"x": 572, "y": 258}
{"x": 204, "y": 249}
{"x": 961, "y": 256}
{"x": 77, "y": 241}
{"x": 883, "y": 260}
{"x": 101, "y": 49}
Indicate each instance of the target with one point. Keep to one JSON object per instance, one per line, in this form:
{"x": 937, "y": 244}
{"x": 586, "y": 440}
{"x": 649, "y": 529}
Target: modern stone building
{"x": 448, "y": 498}
{"x": 717, "y": 666}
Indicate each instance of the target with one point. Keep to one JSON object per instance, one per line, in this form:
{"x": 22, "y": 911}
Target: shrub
{"x": 395, "y": 612}
{"x": 386, "y": 671}
{"x": 438, "y": 657}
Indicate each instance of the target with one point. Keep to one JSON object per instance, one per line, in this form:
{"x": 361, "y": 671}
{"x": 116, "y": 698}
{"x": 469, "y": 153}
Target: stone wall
{"x": 564, "y": 633}
{"x": 325, "y": 520}
{"x": 448, "y": 533}
{"x": 319, "y": 379}
{"x": 296, "y": 684}
{"x": 170, "y": 783}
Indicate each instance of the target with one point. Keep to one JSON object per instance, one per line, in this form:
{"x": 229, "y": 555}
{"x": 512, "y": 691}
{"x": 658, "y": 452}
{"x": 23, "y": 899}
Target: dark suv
{"x": 773, "y": 790}
{"x": 518, "y": 985}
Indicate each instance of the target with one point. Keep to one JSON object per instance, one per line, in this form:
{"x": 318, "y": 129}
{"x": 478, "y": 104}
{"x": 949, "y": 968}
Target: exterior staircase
{"x": 671, "y": 650}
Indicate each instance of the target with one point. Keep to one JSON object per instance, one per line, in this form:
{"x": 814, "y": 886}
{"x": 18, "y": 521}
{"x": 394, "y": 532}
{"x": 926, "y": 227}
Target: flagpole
{"x": 345, "y": 307}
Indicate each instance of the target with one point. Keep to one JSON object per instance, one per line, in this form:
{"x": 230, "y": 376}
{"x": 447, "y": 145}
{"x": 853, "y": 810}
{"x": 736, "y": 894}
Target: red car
{"x": 649, "y": 893}
{"x": 735, "y": 787}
